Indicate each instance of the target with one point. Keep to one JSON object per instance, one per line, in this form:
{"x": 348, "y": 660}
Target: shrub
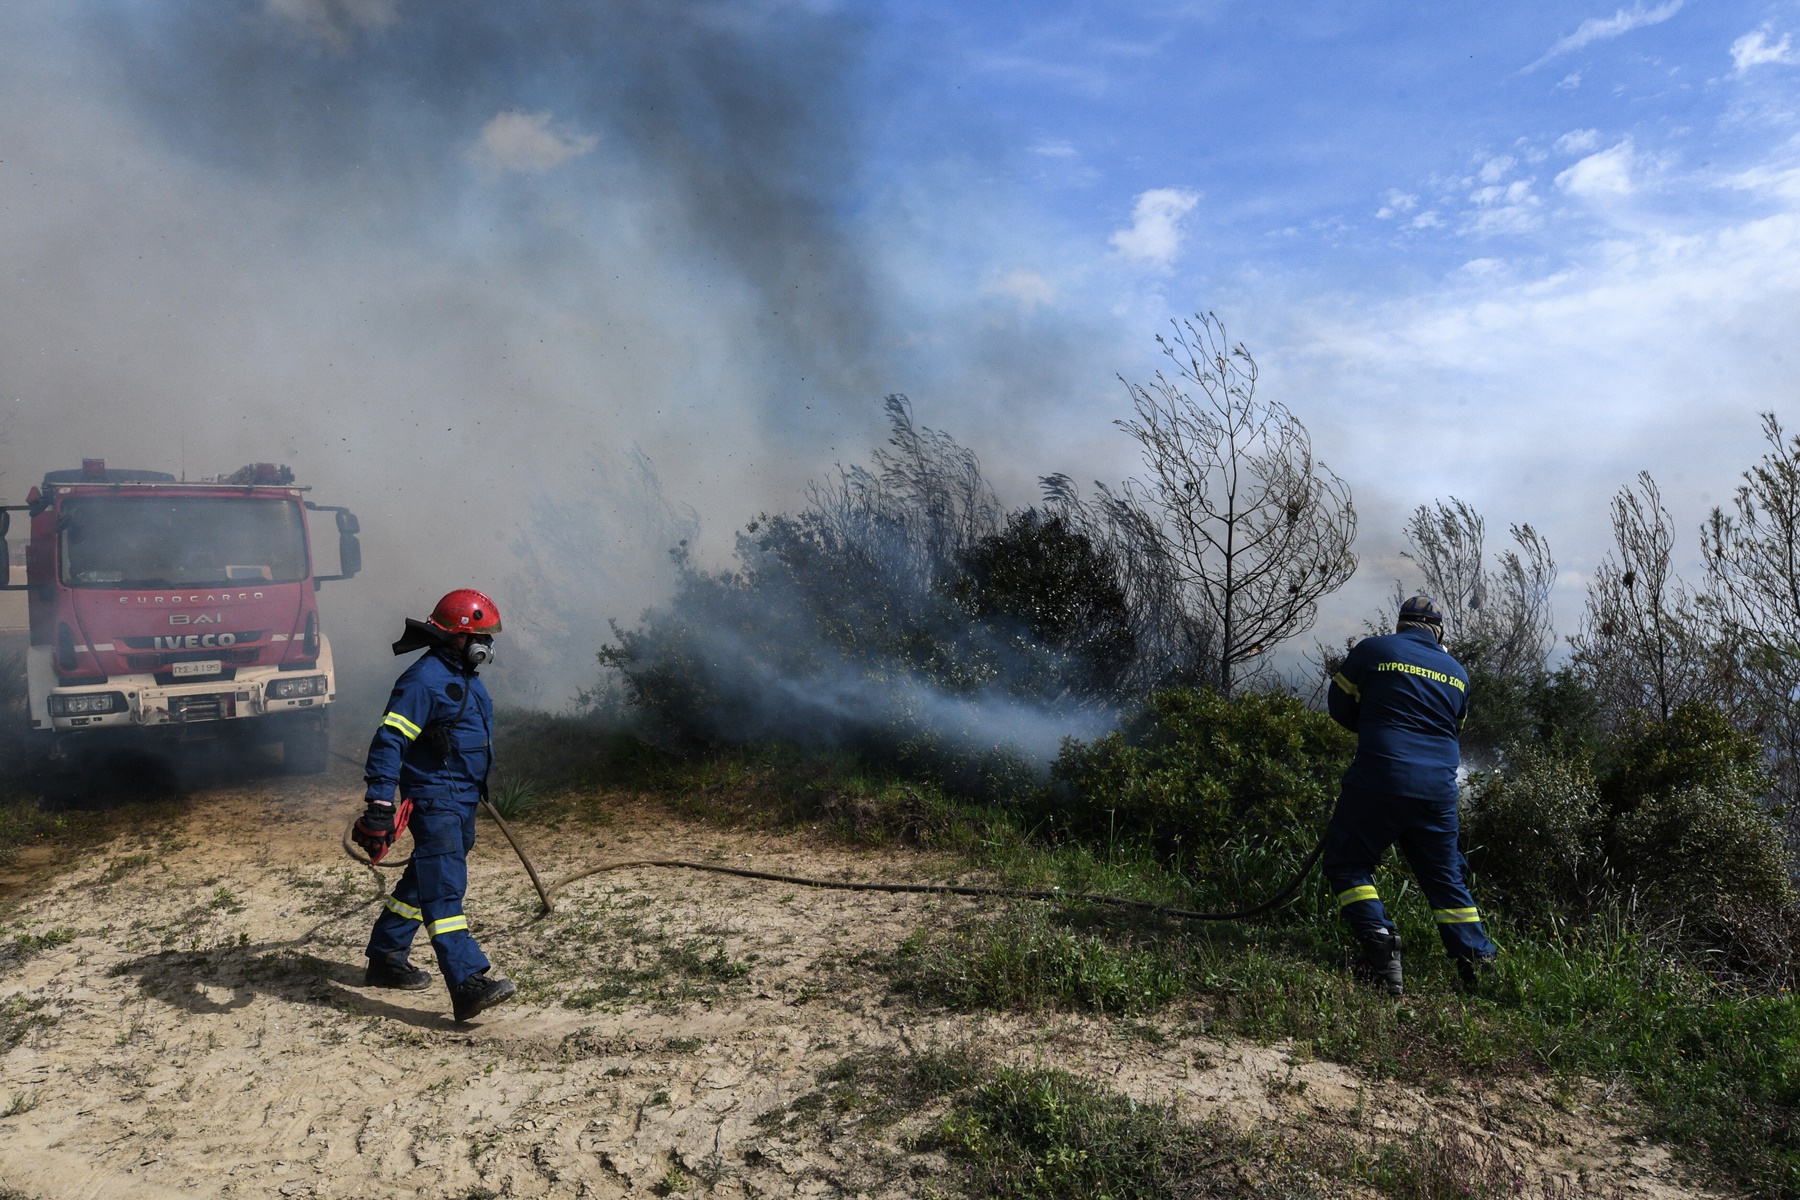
{"x": 1025, "y": 960}
{"x": 1194, "y": 769}
{"x": 1555, "y": 711}
{"x": 1676, "y": 828}
{"x": 1049, "y": 1134}
{"x": 1057, "y": 592}
{"x": 1696, "y": 747}
{"x": 1699, "y": 851}
{"x": 1535, "y": 833}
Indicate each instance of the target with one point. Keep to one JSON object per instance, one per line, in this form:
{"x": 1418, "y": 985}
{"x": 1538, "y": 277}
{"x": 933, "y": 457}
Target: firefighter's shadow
{"x": 210, "y": 983}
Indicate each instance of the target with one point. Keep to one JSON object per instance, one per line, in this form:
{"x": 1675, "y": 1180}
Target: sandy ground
{"x": 187, "y": 1019}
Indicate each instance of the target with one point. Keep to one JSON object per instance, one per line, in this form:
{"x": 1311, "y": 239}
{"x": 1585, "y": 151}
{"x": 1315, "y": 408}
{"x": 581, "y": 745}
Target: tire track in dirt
{"x": 169, "y": 1040}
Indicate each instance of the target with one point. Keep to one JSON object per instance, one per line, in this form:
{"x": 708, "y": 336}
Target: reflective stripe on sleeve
{"x": 1455, "y": 916}
{"x": 403, "y": 909}
{"x": 1350, "y": 689}
{"x": 448, "y": 925}
{"x": 1365, "y": 892}
{"x": 406, "y": 727}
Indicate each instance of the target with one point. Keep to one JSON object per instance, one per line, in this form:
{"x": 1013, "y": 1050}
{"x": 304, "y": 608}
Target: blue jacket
{"x": 434, "y": 693}
{"x": 1407, "y": 700}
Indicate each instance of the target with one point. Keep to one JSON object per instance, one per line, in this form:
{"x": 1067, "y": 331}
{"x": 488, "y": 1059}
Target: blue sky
{"x": 463, "y": 258}
{"x": 1513, "y": 252}
{"x": 1346, "y": 143}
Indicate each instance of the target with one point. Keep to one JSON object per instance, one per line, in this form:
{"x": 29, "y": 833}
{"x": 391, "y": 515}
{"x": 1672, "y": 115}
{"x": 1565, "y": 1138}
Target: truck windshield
{"x": 181, "y": 541}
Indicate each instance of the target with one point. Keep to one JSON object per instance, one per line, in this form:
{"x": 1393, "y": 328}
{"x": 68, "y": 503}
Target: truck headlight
{"x": 306, "y": 685}
{"x": 83, "y": 704}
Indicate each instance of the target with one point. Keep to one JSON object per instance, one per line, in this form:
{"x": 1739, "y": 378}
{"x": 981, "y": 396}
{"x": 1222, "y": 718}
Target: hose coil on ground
{"x": 546, "y": 894}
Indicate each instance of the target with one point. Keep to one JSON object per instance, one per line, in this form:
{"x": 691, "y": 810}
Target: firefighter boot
{"x": 394, "y": 971}
{"x": 1475, "y": 972}
{"x": 1381, "y": 960}
{"x": 479, "y": 992}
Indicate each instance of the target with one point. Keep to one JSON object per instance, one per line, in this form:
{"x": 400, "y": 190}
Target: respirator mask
{"x": 476, "y": 653}
{"x": 479, "y": 651}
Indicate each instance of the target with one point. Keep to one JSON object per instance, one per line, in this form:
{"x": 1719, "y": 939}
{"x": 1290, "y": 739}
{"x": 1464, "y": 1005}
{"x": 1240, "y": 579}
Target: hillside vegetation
{"x": 902, "y": 654}
{"x": 1612, "y": 975}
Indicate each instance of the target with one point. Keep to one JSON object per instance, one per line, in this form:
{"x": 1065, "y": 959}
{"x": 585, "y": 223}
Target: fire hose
{"x": 546, "y": 894}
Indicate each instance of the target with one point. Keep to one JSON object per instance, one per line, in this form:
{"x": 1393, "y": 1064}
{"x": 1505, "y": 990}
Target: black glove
{"x": 381, "y": 823}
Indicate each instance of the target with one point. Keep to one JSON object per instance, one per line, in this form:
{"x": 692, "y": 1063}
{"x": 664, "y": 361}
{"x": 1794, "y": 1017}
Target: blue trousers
{"x": 1363, "y": 826}
{"x": 430, "y": 891}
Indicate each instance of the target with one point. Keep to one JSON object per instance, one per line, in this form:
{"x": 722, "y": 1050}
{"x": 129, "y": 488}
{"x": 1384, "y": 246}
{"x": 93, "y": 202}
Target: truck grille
{"x": 214, "y": 706}
{"x": 155, "y": 662}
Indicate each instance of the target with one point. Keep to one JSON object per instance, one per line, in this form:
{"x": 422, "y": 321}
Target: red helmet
{"x": 466, "y": 611}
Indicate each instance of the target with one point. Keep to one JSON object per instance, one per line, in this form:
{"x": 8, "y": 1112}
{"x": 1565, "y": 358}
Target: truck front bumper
{"x": 141, "y": 702}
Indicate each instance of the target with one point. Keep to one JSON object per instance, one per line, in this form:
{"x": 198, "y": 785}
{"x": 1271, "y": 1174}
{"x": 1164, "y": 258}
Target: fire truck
{"x": 178, "y": 611}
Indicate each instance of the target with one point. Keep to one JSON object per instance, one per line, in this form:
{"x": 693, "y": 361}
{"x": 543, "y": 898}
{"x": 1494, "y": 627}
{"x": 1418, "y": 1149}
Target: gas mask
{"x": 476, "y": 652}
{"x": 479, "y": 651}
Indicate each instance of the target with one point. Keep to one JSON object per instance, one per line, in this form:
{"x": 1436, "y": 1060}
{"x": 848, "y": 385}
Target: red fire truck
{"x": 181, "y": 611}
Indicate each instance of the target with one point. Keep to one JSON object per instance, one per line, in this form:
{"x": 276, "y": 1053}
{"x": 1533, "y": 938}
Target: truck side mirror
{"x": 5, "y": 550}
{"x": 349, "y": 549}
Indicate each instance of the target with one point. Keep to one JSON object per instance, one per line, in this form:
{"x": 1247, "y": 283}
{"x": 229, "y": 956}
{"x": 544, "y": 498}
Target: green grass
{"x": 693, "y": 970}
{"x": 514, "y": 795}
{"x": 1717, "y": 1070}
{"x": 27, "y": 944}
{"x": 19, "y": 1015}
{"x": 1037, "y": 1133}
{"x": 1714, "y": 1067}
{"x": 1013, "y": 1133}
{"x": 1048, "y": 1135}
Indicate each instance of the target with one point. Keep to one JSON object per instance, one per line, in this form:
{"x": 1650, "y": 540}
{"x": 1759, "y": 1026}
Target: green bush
{"x": 1194, "y": 770}
{"x": 1555, "y": 711}
{"x": 1535, "y": 836}
{"x": 1676, "y": 828}
{"x": 1037, "y": 1133}
{"x": 1698, "y": 852}
{"x": 1024, "y": 960}
{"x": 1696, "y": 747}
{"x": 1060, "y": 594}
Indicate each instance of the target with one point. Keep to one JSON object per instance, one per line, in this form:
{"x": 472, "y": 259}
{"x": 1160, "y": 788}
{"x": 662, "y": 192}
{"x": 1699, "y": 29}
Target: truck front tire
{"x": 305, "y": 751}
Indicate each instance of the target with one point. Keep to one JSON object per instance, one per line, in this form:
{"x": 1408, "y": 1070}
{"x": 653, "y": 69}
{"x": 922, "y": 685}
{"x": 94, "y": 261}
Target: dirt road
{"x": 182, "y": 1014}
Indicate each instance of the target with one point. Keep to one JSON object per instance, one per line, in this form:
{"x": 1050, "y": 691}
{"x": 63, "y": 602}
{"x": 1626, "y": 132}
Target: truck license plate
{"x": 210, "y": 667}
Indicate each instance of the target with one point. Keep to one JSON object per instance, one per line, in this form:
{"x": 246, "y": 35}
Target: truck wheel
{"x": 305, "y": 752}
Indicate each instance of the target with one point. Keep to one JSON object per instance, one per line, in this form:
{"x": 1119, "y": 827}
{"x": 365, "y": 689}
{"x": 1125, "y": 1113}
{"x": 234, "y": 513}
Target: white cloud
{"x": 1154, "y": 237}
{"x": 1569, "y": 82}
{"x": 1755, "y": 49}
{"x": 1027, "y": 287}
{"x": 1578, "y": 141}
{"x": 1600, "y": 29}
{"x": 333, "y": 21}
{"x": 1776, "y": 182}
{"x": 1607, "y": 173}
{"x": 1503, "y": 208}
{"x": 1495, "y": 169}
{"x": 1426, "y": 220}
{"x": 1397, "y": 202}
{"x": 1481, "y": 267}
{"x": 518, "y": 141}
{"x": 1056, "y": 149}
{"x": 1560, "y": 386}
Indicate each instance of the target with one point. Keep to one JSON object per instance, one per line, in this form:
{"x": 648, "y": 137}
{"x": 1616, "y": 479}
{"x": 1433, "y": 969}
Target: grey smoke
{"x": 444, "y": 258}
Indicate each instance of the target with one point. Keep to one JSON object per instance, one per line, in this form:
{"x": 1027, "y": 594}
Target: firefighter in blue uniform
{"x": 1406, "y": 699}
{"x": 435, "y": 745}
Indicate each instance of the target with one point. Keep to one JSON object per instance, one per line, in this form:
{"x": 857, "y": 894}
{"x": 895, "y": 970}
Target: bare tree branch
{"x": 1499, "y": 620}
{"x": 1258, "y": 530}
{"x": 1643, "y": 641}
